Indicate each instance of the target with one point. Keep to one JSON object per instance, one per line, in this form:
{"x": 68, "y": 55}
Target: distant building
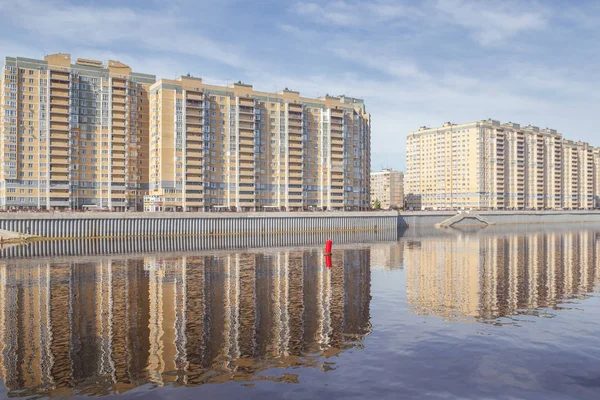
{"x": 387, "y": 187}
{"x": 495, "y": 166}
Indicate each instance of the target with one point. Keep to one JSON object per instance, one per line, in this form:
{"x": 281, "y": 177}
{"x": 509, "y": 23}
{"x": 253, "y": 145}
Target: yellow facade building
{"x": 492, "y": 166}
{"x": 74, "y": 135}
{"x": 88, "y": 135}
{"x": 234, "y": 148}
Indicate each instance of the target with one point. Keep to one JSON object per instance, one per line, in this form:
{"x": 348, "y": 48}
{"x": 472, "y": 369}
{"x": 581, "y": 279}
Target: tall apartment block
{"x": 489, "y": 165}
{"x": 88, "y": 135}
{"x": 387, "y": 187}
{"x": 73, "y": 135}
{"x": 234, "y": 148}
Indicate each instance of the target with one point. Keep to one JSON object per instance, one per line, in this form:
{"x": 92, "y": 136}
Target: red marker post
{"x": 328, "y": 262}
{"x": 328, "y": 247}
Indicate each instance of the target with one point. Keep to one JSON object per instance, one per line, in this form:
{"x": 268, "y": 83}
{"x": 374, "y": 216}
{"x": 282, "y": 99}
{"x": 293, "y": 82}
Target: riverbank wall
{"x": 433, "y": 218}
{"x": 65, "y": 225}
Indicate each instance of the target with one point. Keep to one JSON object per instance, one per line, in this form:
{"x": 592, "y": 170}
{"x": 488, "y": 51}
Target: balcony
{"x": 119, "y": 82}
{"x": 60, "y": 187}
{"x": 247, "y": 110}
{"x": 118, "y": 116}
{"x": 194, "y": 178}
{"x": 197, "y": 121}
{"x": 62, "y": 137}
{"x": 118, "y": 98}
{"x": 191, "y": 137}
{"x": 246, "y": 149}
{"x": 194, "y": 104}
{"x": 60, "y": 110}
{"x": 57, "y": 101}
{"x": 59, "y": 153}
{"x": 60, "y": 75}
{"x": 57, "y": 176}
{"x": 246, "y": 102}
{"x": 196, "y": 97}
{"x": 59, "y": 160}
{"x": 246, "y": 126}
{"x": 249, "y": 118}
{"x": 61, "y": 93}
{"x": 58, "y": 84}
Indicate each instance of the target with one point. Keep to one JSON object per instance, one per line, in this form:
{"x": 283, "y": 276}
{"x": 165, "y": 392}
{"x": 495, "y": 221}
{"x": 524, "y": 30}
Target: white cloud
{"x": 358, "y": 14}
{"x": 118, "y": 27}
{"x": 492, "y": 22}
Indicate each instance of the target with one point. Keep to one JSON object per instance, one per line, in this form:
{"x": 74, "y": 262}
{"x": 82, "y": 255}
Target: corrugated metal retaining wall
{"x": 136, "y": 245}
{"x": 82, "y": 227}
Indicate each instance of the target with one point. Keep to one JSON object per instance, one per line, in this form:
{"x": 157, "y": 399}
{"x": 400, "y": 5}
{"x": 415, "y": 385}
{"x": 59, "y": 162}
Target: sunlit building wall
{"x": 74, "y": 135}
{"x": 493, "y": 166}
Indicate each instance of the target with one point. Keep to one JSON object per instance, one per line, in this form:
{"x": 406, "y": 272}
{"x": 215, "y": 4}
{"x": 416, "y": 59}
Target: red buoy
{"x": 328, "y": 262}
{"x": 328, "y": 246}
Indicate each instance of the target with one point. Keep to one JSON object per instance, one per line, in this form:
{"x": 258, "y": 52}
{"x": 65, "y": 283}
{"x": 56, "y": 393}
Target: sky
{"x": 414, "y": 62}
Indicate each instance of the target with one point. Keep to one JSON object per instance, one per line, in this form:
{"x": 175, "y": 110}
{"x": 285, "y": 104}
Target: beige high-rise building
{"x": 489, "y": 165}
{"x": 88, "y": 135}
{"x": 235, "y": 148}
{"x": 387, "y": 187}
{"x": 74, "y": 135}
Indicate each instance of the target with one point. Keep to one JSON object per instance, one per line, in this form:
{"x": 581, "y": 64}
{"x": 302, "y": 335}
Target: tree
{"x": 377, "y": 205}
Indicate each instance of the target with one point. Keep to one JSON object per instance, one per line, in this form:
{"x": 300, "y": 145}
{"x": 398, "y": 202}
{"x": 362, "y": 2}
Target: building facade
{"x": 494, "y": 166}
{"x": 73, "y": 135}
{"x": 88, "y": 135}
{"x": 387, "y": 187}
{"x": 234, "y": 148}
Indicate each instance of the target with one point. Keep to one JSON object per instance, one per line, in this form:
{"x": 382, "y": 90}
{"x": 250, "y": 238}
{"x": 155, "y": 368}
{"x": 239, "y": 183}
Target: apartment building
{"x": 88, "y": 135}
{"x": 234, "y": 148}
{"x": 387, "y": 187}
{"x": 74, "y": 135}
{"x": 490, "y": 165}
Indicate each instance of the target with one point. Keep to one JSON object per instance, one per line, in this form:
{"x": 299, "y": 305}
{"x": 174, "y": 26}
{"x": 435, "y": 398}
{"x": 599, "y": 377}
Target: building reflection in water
{"x": 109, "y": 325}
{"x": 488, "y": 276}
{"x": 387, "y": 255}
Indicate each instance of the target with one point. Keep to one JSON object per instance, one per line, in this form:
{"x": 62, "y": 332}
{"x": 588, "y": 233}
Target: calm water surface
{"x": 495, "y": 313}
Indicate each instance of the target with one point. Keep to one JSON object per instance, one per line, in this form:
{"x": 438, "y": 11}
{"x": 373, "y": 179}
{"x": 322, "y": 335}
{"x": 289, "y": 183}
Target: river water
{"x": 492, "y": 313}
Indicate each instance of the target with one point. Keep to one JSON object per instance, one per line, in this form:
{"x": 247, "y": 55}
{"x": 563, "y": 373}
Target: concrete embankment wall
{"x": 102, "y": 225}
{"x": 138, "y": 245}
{"x": 430, "y": 218}
{"x": 106, "y": 225}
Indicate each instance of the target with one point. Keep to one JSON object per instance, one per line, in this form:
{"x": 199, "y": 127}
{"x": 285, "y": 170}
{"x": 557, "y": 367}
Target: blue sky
{"x": 414, "y": 62}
